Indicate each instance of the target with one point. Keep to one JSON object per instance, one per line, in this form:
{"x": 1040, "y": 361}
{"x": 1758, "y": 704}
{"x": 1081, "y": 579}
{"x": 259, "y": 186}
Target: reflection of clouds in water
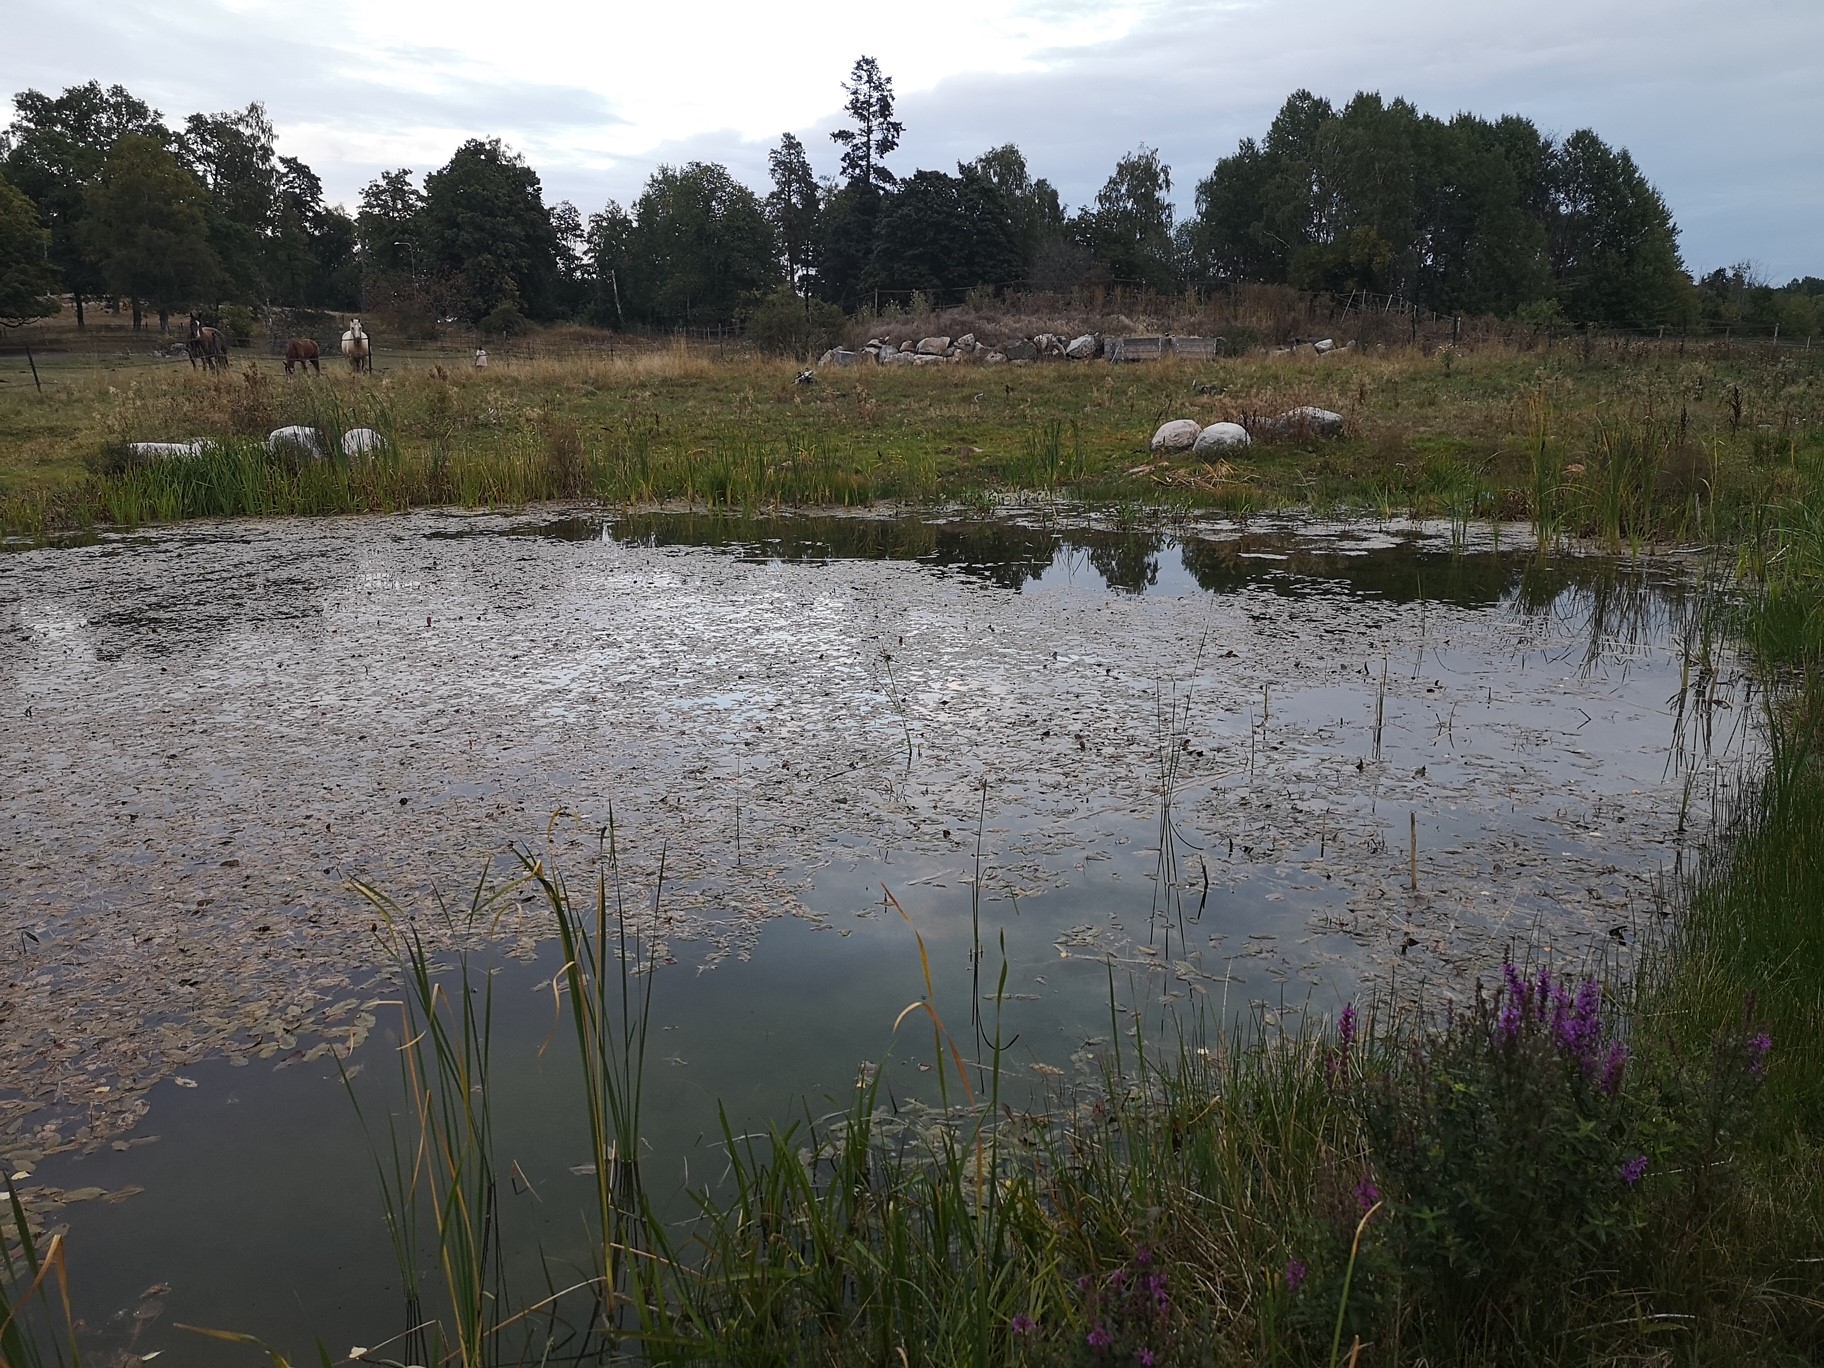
{"x": 275, "y": 712}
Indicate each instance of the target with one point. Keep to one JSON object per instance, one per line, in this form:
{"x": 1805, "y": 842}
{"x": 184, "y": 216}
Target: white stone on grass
{"x": 1178, "y": 435}
{"x": 301, "y": 440}
{"x": 362, "y": 442}
{"x": 1220, "y": 437}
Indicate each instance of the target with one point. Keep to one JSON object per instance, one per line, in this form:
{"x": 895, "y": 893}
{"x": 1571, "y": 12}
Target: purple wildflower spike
{"x": 1611, "y": 1068}
{"x": 1758, "y": 1049}
{"x": 1295, "y": 1274}
{"x": 1632, "y": 1171}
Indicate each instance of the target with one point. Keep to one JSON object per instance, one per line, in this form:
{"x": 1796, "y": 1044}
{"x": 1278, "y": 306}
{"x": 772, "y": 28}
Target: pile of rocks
{"x": 932, "y": 351}
{"x": 1186, "y": 434}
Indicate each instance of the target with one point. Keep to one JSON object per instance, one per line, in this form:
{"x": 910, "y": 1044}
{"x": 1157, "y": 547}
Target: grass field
{"x": 1623, "y": 440}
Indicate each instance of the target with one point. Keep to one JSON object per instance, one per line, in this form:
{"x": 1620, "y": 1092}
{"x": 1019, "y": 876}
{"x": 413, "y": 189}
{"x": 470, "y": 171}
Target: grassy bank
{"x": 1625, "y": 440}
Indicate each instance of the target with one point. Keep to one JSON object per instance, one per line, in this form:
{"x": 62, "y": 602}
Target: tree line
{"x": 100, "y": 197}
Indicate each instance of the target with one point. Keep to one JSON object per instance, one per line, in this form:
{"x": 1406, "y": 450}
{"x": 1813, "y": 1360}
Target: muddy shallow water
{"x": 212, "y": 729}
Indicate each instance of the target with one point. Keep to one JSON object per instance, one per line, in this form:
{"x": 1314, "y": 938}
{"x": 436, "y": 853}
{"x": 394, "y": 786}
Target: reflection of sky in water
{"x": 748, "y": 709}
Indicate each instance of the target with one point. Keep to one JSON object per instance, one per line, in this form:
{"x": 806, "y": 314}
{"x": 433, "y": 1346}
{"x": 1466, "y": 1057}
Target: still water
{"x": 1248, "y": 772}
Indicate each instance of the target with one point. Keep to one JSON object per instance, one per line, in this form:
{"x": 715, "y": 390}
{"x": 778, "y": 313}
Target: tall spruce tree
{"x": 876, "y": 131}
{"x": 793, "y": 205}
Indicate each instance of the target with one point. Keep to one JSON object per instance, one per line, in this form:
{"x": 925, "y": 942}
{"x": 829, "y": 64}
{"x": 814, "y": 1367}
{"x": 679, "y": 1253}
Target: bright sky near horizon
{"x": 1722, "y": 106}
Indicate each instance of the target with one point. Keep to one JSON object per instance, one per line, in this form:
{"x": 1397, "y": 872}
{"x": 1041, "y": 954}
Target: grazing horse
{"x": 207, "y": 345}
{"x": 357, "y": 347}
{"x": 301, "y": 351}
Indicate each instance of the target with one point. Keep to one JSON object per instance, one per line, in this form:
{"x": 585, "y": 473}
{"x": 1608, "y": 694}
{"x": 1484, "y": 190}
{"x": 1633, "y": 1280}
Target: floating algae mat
{"x": 1260, "y": 769}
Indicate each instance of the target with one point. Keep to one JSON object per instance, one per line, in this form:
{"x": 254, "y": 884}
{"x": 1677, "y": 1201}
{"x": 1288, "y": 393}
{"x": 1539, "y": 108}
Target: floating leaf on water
{"x": 185, "y": 1082}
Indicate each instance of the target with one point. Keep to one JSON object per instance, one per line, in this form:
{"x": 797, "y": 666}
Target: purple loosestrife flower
{"x": 1611, "y": 1068}
{"x": 1145, "y": 1358}
{"x": 1345, "y": 1028}
{"x": 1022, "y": 1324}
{"x": 1507, "y": 1025}
{"x": 1143, "y": 1256}
{"x": 1632, "y": 1171}
{"x": 1582, "y": 1030}
{"x": 1758, "y": 1049}
{"x": 1295, "y": 1274}
{"x": 1099, "y": 1338}
{"x": 1366, "y": 1193}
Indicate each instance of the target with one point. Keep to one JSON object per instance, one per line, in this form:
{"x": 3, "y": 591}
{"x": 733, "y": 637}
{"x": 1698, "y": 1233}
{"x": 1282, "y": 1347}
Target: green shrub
{"x": 788, "y": 325}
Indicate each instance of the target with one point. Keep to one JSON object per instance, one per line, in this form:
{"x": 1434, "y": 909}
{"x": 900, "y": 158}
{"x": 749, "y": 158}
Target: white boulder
{"x": 1323, "y": 345}
{"x": 1220, "y": 437}
{"x": 933, "y": 346}
{"x": 301, "y": 440}
{"x": 1178, "y": 435}
{"x": 362, "y": 442}
{"x": 1083, "y": 348}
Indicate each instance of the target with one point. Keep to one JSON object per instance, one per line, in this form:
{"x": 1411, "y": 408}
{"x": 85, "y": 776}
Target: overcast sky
{"x": 1722, "y": 104}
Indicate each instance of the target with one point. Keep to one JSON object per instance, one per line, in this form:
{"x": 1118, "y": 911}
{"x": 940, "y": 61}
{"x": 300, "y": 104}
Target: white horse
{"x": 357, "y": 348}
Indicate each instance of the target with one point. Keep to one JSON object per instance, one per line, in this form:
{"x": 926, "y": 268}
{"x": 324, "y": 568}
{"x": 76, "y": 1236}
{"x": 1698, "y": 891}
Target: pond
{"x": 1244, "y": 771}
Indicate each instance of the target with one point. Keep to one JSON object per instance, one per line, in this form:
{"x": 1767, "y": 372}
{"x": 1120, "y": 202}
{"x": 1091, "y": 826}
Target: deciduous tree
{"x": 145, "y": 231}
{"x": 484, "y": 221}
{"x": 700, "y": 246}
{"x": 27, "y": 278}
{"x": 54, "y": 152}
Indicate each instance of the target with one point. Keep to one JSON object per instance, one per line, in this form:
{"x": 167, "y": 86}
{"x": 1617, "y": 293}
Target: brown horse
{"x": 207, "y": 345}
{"x": 302, "y": 351}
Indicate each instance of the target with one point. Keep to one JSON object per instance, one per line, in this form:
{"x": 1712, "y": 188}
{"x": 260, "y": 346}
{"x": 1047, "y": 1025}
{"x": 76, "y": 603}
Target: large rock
{"x": 1322, "y": 345}
{"x": 839, "y": 356}
{"x": 933, "y": 346}
{"x": 995, "y": 358}
{"x": 1303, "y": 421}
{"x": 1021, "y": 350}
{"x": 1083, "y": 348}
{"x": 966, "y": 342}
{"x": 302, "y": 441}
{"x": 362, "y": 442}
{"x": 896, "y": 358}
{"x": 928, "y": 359}
{"x": 1220, "y": 437}
{"x": 1178, "y": 435}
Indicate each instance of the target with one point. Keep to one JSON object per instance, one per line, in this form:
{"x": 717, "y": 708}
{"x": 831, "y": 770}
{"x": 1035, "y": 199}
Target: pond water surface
{"x": 1379, "y": 756}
